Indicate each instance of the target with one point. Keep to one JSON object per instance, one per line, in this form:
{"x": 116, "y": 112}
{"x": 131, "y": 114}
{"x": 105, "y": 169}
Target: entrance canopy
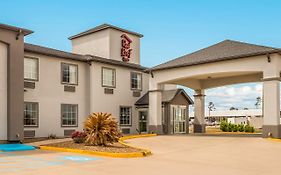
{"x": 228, "y": 62}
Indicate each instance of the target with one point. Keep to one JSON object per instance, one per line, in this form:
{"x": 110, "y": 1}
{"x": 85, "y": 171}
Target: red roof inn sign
{"x": 126, "y": 50}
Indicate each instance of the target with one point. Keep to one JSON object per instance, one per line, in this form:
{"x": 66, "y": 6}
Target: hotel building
{"x": 46, "y": 91}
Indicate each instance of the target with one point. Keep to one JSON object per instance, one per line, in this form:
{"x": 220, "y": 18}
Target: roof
{"x": 116, "y": 62}
{"x": 85, "y": 58}
{"x": 16, "y": 29}
{"x": 167, "y": 96}
{"x": 53, "y": 52}
{"x": 103, "y": 27}
{"x": 221, "y": 51}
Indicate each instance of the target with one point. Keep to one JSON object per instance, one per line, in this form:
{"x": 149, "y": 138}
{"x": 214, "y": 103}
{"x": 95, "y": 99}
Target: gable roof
{"x": 167, "y": 96}
{"x": 103, "y": 27}
{"x": 225, "y": 50}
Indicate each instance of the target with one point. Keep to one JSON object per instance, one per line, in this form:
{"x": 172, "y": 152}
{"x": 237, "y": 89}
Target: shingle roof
{"x": 13, "y": 28}
{"x": 224, "y": 50}
{"x": 85, "y": 58}
{"x": 102, "y": 27}
{"x": 53, "y": 52}
{"x": 167, "y": 96}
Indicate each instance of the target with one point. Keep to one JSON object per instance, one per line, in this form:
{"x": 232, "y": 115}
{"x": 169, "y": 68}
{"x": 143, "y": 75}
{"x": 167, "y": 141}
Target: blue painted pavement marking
{"x": 17, "y": 163}
{"x": 79, "y": 158}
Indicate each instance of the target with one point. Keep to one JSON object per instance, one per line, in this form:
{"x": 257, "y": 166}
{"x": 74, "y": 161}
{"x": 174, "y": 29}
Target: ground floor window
{"x": 69, "y": 114}
{"x": 125, "y": 116}
{"x": 30, "y": 118}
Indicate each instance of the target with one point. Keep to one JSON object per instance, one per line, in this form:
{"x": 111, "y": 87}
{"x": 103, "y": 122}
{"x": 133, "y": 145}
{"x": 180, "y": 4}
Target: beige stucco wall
{"x": 3, "y": 91}
{"x": 115, "y": 46}
{"x": 50, "y": 94}
{"x": 94, "y": 44}
{"x": 123, "y": 95}
{"x": 106, "y": 43}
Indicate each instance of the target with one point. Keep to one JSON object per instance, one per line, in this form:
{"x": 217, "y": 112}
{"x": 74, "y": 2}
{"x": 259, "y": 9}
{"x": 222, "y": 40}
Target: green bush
{"x": 249, "y": 128}
{"x": 241, "y": 128}
{"x": 224, "y": 126}
{"x": 235, "y": 128}
{"x": 229, "y": 127}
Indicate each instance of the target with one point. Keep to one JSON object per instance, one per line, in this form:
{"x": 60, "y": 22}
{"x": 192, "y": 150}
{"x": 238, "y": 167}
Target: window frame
{"x": 37, "y": 66}
{"x": 77, "y": 69}
{"x": 37, "y": 117}
{"x": 136, "y": 89}
{"x": 131, "y": 112}
{"x": 69, "y": 126}
{"x": 114, "y": 70}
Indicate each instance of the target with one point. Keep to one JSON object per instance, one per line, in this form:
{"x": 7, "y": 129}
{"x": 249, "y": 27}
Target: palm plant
{"x": 101, "y": 129}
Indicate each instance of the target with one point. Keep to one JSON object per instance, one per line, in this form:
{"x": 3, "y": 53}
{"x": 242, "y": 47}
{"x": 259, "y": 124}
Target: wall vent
{"x": 69, "y": 88}
{"x": 29, "y": 134}
{"x": 29, "y": 85}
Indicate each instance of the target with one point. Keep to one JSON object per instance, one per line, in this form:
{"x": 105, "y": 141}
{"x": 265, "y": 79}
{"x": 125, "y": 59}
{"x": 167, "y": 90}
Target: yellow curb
{"x": 274, "y": 139}
{"x": 142, "y": 153}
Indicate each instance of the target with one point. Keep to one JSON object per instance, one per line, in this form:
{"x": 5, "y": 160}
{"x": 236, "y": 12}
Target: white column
{"x": 271, "y": 108}
{"x": 199, "y": 111}
{"x": 155, "y": 111}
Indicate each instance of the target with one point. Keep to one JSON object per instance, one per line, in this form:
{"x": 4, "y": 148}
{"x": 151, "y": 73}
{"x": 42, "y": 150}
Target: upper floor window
{"x": 31, "y": 68}
{"x": 108, "y": 77}
{"x": 30, "y": 114}
{"x": 69, "y": 74}
{"x": 136, "y": 81}
{"x": 69, "y": 114}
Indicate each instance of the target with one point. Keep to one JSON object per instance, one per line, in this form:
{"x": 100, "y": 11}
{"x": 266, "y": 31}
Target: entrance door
{"x": 143, "y": 121}
{"x": 179, "y": 119}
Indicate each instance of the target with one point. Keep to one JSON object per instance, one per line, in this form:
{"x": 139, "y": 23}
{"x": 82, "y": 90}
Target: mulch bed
{"x": 31, "y": 140}
{"x": 114, "y": 148}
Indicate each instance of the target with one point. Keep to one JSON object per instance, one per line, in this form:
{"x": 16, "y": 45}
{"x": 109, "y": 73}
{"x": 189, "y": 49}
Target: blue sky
{"x": 171, "y": 28}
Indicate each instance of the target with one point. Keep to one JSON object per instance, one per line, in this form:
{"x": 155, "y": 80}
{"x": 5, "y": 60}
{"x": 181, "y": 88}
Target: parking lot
{"x": 171, "y": 155}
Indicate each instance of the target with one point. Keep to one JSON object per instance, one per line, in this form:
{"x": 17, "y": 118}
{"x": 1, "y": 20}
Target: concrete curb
{"x": 142, "y": 153}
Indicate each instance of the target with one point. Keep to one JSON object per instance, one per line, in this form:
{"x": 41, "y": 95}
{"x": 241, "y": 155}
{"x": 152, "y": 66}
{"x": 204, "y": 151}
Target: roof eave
{"x": 16, "y": 29}
{"x": 212, "y": 61}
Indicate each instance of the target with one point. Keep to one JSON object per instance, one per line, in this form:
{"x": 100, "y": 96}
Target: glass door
{"x": 179, "y": 119}
{"x": 143, "y": 121}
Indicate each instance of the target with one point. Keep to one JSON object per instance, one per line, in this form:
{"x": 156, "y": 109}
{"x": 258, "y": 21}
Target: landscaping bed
{"x": 112, "y": 148}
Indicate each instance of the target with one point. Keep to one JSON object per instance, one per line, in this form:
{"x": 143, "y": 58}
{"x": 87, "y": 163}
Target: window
{"x": 108, "y": 77}
{"x": 69, "y": 114}
{"x": 136, "y": 79}
{"x": 30, "y": 114}
{"x": 31, "y": 69}
{"x": 69, "y": 74}
{"x": 125, "y": 115}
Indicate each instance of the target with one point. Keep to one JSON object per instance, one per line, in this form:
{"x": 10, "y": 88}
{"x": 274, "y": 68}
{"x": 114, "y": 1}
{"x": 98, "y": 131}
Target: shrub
{"x": 241, "y": 128}
{"x": 235, "y": 128}
{"x": 101, "y": 129}
{"x": 78, "y": 137}
{"x": 249, "y": 128}
{"x": 230, "y": 127}
{"x": 224, "y": 126}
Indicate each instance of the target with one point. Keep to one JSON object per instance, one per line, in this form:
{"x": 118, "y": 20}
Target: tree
{"x": 258, "y": 102}
{"x": 233, "y": 108}
{"x": 211, "y": 107}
